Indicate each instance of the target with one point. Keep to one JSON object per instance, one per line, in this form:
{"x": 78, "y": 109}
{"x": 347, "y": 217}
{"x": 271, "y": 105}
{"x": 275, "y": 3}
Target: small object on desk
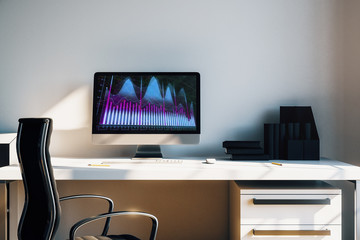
{"x": 275, "y": 163}
{"x": 245, "y": 150}
{"x": 210, "y": 160}
{"x": 98, "y": 165}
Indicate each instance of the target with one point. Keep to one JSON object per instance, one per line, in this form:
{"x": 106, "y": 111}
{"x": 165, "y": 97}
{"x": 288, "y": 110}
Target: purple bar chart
{"x": 146, "y": 105}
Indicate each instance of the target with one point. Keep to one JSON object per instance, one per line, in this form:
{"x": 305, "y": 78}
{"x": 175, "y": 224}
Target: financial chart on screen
{"x": 146, "y": 103}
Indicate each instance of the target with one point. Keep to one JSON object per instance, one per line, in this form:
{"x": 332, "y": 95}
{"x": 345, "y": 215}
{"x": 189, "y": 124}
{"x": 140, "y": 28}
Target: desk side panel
{"x": 234, "y": 211}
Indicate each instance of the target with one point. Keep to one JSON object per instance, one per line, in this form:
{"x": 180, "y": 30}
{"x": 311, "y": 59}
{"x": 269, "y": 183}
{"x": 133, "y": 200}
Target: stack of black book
{"x": 245, "y": 150}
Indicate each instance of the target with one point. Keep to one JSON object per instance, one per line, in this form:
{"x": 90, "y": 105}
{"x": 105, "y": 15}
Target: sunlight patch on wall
{"x": 73, "y": 111}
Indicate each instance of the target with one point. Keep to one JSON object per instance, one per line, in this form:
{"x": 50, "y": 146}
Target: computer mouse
{"x": 210, "y": 160}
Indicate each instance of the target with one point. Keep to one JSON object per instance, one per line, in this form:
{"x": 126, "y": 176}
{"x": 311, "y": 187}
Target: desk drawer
{"x": 290, "y": 209}
{"x": 286, "y": 210}
{"x": 290, "y": 232}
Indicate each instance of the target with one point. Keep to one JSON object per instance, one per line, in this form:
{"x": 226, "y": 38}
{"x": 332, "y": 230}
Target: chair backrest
{"x": 41, "y": 214}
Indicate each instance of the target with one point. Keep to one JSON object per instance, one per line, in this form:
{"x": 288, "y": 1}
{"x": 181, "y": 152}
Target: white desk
{"x": 78, "y": 169}
{"x": 126, "y": 169}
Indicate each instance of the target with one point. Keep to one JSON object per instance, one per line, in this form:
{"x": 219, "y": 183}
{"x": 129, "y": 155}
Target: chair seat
{"x": 110, "y": 237}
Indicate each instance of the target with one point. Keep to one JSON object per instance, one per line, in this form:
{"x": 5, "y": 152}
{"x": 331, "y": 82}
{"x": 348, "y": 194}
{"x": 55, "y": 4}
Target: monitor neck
{"x": 148, "y": 152}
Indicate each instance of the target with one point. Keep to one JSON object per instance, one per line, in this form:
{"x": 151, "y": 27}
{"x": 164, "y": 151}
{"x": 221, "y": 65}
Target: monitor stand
{"x": 148, "y": 152}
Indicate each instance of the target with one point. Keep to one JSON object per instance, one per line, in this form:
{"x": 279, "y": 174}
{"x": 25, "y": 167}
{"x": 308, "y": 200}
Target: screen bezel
{"x": 197, "y": 118}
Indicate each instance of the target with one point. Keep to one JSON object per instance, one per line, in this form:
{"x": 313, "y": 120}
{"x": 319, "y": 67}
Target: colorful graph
{"x": 146, "y": 103}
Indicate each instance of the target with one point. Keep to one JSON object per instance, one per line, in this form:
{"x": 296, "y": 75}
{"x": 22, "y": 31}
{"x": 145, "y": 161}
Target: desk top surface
{"x": 193, "y": 169}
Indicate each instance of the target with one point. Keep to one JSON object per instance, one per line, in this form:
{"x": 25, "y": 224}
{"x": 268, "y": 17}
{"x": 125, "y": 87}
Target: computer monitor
{"x": 147, "y": 109}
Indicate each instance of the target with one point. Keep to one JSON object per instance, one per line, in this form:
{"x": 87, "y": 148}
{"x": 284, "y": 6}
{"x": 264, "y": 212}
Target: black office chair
{"x": 41, "y": 214}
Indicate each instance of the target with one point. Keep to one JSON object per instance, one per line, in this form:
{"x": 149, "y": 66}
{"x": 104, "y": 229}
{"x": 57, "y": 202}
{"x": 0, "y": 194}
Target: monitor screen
{"x": 146, "y": 103}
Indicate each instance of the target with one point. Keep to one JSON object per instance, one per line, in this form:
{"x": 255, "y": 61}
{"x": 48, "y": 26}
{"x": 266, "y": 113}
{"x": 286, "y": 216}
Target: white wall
{"x": 253, "y": 56}
{"x": 351, "y": 133}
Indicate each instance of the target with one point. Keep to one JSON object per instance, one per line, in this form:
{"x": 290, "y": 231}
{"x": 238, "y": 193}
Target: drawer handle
{"x": 291, "y": 232}
{"x": 325, "y": 201}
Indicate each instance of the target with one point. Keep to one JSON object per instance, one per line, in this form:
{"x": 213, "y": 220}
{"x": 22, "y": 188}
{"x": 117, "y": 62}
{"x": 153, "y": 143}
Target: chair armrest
{"x": 109, "y": 200}
{"x": 79, "y": 224}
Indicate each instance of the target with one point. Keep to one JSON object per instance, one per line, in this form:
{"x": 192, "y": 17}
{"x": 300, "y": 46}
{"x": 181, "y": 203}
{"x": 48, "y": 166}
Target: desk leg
{"x": 357, "y": 210}
{"x": 3, "y": 211}
{"x": 16, "y": 204}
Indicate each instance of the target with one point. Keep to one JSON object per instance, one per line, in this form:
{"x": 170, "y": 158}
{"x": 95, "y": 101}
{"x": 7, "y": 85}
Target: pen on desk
{"x": 279, "y": 164}
{"x": 99, "y": 165}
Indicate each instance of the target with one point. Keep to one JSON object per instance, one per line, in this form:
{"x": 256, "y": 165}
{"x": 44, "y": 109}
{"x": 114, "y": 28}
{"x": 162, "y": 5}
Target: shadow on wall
{"x": 71, "y": 135}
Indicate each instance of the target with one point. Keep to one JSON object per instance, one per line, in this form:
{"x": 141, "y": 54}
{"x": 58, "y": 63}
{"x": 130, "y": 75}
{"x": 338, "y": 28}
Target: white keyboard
{"x": 171, "y": 161}
{"x": 145, "y": 161}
